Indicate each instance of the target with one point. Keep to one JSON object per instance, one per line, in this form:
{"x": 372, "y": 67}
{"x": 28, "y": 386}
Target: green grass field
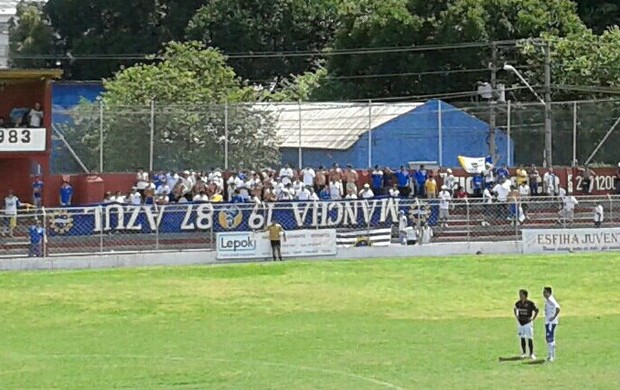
{"x": 381, "y": 324}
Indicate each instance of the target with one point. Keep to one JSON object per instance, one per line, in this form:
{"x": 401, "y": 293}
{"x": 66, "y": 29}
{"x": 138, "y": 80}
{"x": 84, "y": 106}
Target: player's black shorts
{"x": 275, "y": 243}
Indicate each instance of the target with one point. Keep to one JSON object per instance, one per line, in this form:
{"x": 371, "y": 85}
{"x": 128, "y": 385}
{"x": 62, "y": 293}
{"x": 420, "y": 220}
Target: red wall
{"x": 23, "y": 95}
{"x": 16, "y": 168}
{"x": 86, "y": 193}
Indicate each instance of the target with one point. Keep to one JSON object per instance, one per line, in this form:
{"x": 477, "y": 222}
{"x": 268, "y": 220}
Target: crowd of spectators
{"x": 24, "y": 117}
{"x": 269, "y": 185}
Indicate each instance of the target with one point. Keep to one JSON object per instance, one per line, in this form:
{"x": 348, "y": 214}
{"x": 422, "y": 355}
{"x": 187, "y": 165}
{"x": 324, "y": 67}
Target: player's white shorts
{"x": 526, "y": 331}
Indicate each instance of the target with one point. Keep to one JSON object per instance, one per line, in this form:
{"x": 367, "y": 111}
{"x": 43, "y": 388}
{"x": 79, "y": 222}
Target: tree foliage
{"x": 403, "y": 23}
{"x": 115, "y": 28}
{"x": 599, "y": 15}
{"x": 190, "y": 88}
{"x": 31, "y": 35}
{"x": 241, "y": 26}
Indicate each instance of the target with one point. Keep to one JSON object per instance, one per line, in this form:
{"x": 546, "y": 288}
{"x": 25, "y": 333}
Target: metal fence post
{"x": 468, "y": 220}
{"x": 101, "y": 136}
{"x": 300, "y": 157}
{"x": 440, "y": 132}
{"x": 517, "y": 214}
{"x": 226, "y": 135}
{"x": 157, "y": 227}
{"x": 100, "y": 211}
{"x": 152, "y": 135}
{"x": 611, "y": 209}
{"x": 44, "y": 254}
{"x": 574, "y": 163}
{"x": 509, "y": 161}
{"x": 369, "y": 133}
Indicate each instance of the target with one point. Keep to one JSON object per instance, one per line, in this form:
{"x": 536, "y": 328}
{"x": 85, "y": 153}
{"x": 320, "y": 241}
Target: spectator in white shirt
{"x": 308, "y": 176}
{"x": 366, "y": 192}
{"x": 567, "y": 214}
{"x": 394, "y": 192}
{"x": 172, "y": 179}
{"x": 35, "y": 116}
{"x": 163, "y": 188}
{"x": 297, "y": 186}
{"x": 502, "y": 190}
{"x": 599, "y": 215}
{"x": 304, "y": 193}
{"x": 286, "y": 174}
{"x": 334, "y": 190}
{"x": 142, "y": 179}
{"x": 426, "y": 234}
{"x": 201, "y": 197}
{"x": 489, "y": 176}
{"x": 286, "y": 193}
{"x": 487, "y": 205}
{"x": 350, "y": 194}
{"x": 524, "y": 191}
{"x": 551, "y": 183}
{"x": 402, "y": 226}
{"x": 119, "y": 198}
{"x": 449, "y": 181}
{"x": 134, "y": 197}
{"x": 11, "y": 204}
{"x": 313, "y": 195}
{"x": 444, "y": 205}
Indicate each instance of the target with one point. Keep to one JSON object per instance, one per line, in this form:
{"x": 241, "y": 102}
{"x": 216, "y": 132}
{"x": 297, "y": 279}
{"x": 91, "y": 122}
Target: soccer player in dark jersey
{"x": 526, "y": 312}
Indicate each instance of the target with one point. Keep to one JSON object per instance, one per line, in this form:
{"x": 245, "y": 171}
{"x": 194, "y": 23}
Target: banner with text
{"x": 299, "y": 243}
{"x": 570, "y": 240}
{"x": 191, "y": 217}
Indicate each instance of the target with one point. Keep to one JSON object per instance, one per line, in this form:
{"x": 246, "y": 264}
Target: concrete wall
{"x": 176, "y": 258}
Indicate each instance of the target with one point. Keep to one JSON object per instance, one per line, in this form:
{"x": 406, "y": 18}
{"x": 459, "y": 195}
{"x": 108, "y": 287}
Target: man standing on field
{"x": 552, "y": 311}
{"x": 526, "y": 312}
{"x": 275, "y": 230}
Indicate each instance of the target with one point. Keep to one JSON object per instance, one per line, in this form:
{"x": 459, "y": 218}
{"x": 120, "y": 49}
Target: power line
{"x": 272, "y": 54}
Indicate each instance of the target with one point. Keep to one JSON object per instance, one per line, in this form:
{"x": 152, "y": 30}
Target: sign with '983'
{"x": 23, "y": 140}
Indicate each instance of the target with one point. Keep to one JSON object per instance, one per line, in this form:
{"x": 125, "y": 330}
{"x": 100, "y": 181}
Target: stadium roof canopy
{"x": 330, "y": 125}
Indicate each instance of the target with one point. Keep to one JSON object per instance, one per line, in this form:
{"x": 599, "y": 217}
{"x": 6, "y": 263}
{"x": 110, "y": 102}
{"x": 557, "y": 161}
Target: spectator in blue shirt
{"x": 237, "y": 198}
{"x": 66, "y": 194}
{"x": 420, "y": 178}
{"x": 37, "y": 238}
{"x": 502, "y": 173}
{"x": 324, "y": 194}
{"x": 402, "y": 177}
{"x": 37, "y": 191}
{"x": 477, "y": 181}
{"x": 377, "y": 181}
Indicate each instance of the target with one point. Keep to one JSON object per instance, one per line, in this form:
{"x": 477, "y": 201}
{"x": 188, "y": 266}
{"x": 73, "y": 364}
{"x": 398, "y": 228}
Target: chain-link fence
{"x": 114, "y": 228}
{"x": 101, "y": 138}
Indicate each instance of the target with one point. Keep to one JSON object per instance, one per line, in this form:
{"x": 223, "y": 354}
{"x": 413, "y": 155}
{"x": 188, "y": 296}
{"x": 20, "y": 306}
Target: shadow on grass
{"x": 535, "y": 362}
{"x": 510, "y": 359}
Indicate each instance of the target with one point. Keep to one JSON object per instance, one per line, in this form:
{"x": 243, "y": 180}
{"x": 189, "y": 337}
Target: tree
{"x": 410, "y": 23}
{"x": 97, "y": 33}
{"x": 189, "y": 87}
{"x": 31, "y": 36}
{"x": 241, "y": 26}
{"x": 599, "y": 15}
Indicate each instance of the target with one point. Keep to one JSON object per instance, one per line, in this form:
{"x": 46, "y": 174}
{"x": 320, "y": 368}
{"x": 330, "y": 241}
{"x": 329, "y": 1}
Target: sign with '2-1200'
{"x": 22, "y": 140}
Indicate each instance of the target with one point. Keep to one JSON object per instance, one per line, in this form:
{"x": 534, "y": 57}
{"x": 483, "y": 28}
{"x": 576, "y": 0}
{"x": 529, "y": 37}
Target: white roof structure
{"x": 335, "y": 126}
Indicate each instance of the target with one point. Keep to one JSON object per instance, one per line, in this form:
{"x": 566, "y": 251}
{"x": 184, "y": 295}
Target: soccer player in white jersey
{"x": 552, "y": 312}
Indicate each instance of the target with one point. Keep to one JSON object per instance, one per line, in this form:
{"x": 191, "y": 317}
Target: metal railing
{"x": 115, "y": 228}
{"x": 98, "y": 138}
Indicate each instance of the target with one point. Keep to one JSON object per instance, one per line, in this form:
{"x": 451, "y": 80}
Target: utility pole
{"x": 493, "y": 103}
{"x": 548, "y": 128}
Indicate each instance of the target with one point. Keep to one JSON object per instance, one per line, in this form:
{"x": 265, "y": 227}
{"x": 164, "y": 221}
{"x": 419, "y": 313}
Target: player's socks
{"x": 531, "y": 345}
{"x": 523, "y": 346}
{"x": 552, "y": 349}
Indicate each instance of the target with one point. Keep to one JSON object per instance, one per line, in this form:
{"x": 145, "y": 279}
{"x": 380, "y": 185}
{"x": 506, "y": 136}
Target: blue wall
{"x": 64, "y": 97}
{"x": 413, "y": 136}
